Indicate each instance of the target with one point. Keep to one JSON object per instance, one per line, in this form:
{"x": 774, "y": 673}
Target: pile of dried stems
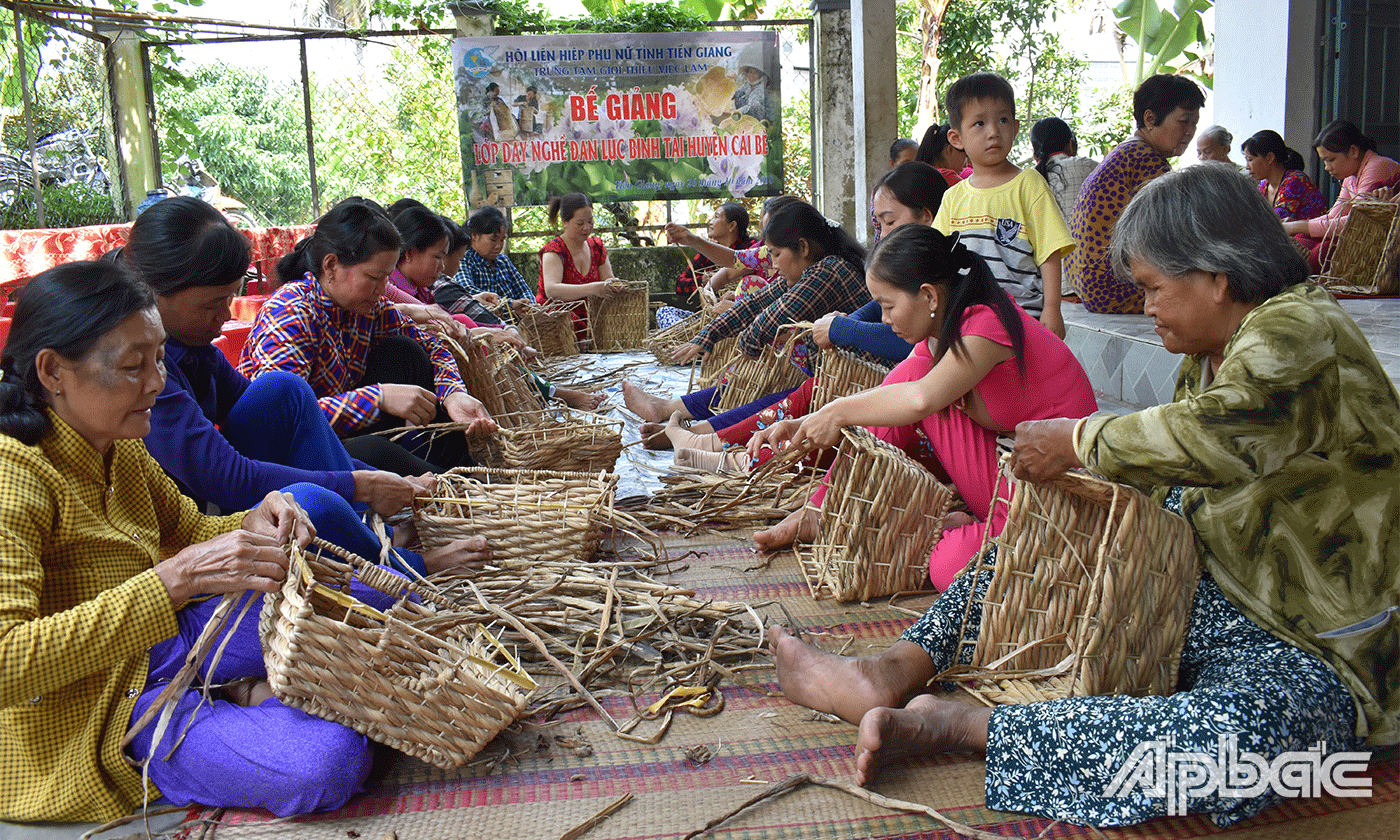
{"x": 690, "y": 499}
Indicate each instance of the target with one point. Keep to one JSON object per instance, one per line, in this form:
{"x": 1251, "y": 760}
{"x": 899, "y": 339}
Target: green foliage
{"x": 70, "y": 205}
{"x": 248, "y": 133}
{"x": 521, "y": 17}
{"x": 1165, "y": 35}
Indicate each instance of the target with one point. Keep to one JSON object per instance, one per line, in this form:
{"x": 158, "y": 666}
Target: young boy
{"x": 1006, "y": 214}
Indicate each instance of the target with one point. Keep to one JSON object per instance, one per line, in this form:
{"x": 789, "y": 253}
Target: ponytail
{"x": 1268, "y": 142}
{"x": 795, "y": 221}
{"x": 913, "y": 255}
{"x": 1049, "y": 136}
{"x": 354, "y": 230}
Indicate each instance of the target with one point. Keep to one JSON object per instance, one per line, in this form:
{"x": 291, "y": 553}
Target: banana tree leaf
{"x": 1140, "y": 19}
{"x": 1189, "y": 30}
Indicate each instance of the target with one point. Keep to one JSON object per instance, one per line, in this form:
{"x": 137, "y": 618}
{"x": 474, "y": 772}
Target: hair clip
{"x": 833, "y": 223}
{"x": 966, "y": 270}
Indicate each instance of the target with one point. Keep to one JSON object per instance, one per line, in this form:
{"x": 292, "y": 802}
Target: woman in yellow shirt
{"x": 100, "y": 556}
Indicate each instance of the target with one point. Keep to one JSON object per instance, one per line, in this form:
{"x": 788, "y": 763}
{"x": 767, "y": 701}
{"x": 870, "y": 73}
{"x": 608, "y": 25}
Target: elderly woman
{"x": 1288, "y": 479}
{"x": 1166, "y": 109}
{"x": 1214, "y": 144}
{"x": 101, "y": 560}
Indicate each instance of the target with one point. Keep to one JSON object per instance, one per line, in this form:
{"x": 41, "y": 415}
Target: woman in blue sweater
{"x": 229, "y": 441}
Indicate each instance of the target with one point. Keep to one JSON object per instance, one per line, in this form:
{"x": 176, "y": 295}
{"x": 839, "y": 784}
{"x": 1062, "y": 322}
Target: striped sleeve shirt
{"x": 302, "y": 331}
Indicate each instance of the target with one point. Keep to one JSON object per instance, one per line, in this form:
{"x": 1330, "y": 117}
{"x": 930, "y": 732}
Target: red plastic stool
{"x": 246, "y": 308}
{"x": 236, "y": 335}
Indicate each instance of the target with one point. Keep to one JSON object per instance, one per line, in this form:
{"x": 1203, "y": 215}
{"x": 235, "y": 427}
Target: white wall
{"x": 1266, "y": 73}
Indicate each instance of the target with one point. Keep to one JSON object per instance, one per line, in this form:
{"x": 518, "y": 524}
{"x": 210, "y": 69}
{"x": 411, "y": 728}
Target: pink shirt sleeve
{"x": 397, "y": 295}
{"x": 1376, "y": 171}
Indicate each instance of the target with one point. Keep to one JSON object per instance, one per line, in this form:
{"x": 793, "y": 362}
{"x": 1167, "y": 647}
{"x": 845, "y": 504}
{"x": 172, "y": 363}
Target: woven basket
{"x": 841, "y": 373}
{"x": 495, "y": 374}
{"x": 1090, "y": 594}
{"x": 1366, "y": 257}
{"x": 549, "y": 329}
{"x": 882, "y": 515}
{"x": 525, "y": 515}
{"x": 620, "y": 323}
{"x": 717, "y": 361}
{"x": 747, "y": 378}
{"x": 556, "y": 439}
{"x": 411, "y": 678}
{"x": 662, "y": 343}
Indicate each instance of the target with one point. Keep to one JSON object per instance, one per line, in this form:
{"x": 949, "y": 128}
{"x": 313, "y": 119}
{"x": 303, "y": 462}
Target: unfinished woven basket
{"x": 1366, "y": 257}
{"x": 747, "y": 378}
{"x": 662, "y": 343}
{"x": 554, "y": 439}
{"x": 525, "y": 515}
{"x": 840, "y": 373}
{"x": 549, "y": 328}
{"x": 717, "y": 361}
{"x": 620, "y": 323}
{"x": 411, "y": 678}
{"x": 495, "y": 374}
{"x": 882, "y": 515}
{"x": 1090, "y": 594}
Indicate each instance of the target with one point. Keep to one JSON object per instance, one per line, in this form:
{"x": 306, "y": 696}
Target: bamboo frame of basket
{"x": 525, "y": 515}
{"x": 1090, "y": 594}
{"x": 662, "y": 343}
{"x": 562, "y": 439}
{"x": 882, "y": 515}
{"x": 840, "y": 373}
{"x": 717, "y": 361}
{"x": 418, "y": 679}
{"x": 620, "y": 322}
{"x": 772, "y": 370}
{"x": 1366, "y": 256}
{"x": 549, "y": 328}
{"x": 495, "y": 374}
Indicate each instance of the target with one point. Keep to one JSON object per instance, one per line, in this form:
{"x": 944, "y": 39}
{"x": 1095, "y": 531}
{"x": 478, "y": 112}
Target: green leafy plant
{"x": 1165, "y": 35}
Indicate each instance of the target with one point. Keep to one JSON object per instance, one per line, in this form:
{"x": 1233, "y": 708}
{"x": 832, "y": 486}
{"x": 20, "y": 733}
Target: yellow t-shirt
{"x": 1015, "y": 227}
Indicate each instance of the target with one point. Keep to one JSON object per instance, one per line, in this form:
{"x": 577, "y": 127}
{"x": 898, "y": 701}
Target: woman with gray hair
{"x": 1287, "y": 478}
{"x": 1214, "y": 144}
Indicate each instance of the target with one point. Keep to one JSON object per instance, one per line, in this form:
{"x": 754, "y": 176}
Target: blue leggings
{"x": 266, "y": 756}
{"x": 278, "y": 420}
{"x": 698, "y": 404}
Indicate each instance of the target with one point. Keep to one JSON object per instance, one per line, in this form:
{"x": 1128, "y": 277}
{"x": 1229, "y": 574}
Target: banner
{"x": 619, "y": 117}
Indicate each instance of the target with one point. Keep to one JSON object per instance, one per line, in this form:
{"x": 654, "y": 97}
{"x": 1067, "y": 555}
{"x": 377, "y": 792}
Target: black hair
{"x": 933, "y": 145}
{"x": 1049, "y": 136}
{"x": 1340, "y": 135}
{"x": 486, "y": 220}
{"x": 735, "y": 212}
{"x": 183, "y": 243}
{"x": 1268, "y": 142}
{"x": 897, "y": 147}
{"x": 913, "y": 255}
{"x": 354, "y": 230}
{"x": 916, "y": 185}
{"x": 456, "y": 237}
{"x": 563, "y": 207}
{"x": 797, "y": 220}
{"x": 777, "y": 201}
{"x": 1163, "y": 93}
{"x": 975, "y": 86}
{"x": 403, "y": 204}
{"x": 420, "y": 228}
{"x": 67, "y": 309}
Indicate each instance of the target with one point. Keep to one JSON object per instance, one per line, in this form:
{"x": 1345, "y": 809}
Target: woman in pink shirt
{"x": 1347, "y": 154}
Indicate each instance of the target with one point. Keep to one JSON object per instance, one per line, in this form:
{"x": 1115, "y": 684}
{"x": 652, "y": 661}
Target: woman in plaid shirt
{"x": 370, "y": 366}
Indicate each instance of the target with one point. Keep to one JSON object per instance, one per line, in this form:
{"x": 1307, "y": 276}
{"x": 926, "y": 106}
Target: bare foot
{"x": 926, "y": 726}
{"x": 654, "y": 436}
{"x": 957, "y": 519}
{"x": 248, "y": 692}
{"x": 847, "y": 686}
{"x": 582, "y": 400}
{"x": 800, "y": 526}
{"x": 470, "y": 553}
{"x": 649, "y": 407}
{"x": 685, "y": 439}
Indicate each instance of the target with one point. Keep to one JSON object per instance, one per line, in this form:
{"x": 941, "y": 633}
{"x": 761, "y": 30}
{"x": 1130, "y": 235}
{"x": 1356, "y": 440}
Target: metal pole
{"x": 310, "y": 141}
{"x": 29, "y": 120}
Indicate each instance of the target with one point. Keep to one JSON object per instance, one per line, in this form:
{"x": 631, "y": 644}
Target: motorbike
{"x": 197, "y": 182}
{"x": 64, "y": 157}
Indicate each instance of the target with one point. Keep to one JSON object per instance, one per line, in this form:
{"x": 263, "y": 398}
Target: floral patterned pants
{"x": 1057, "y": 758}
